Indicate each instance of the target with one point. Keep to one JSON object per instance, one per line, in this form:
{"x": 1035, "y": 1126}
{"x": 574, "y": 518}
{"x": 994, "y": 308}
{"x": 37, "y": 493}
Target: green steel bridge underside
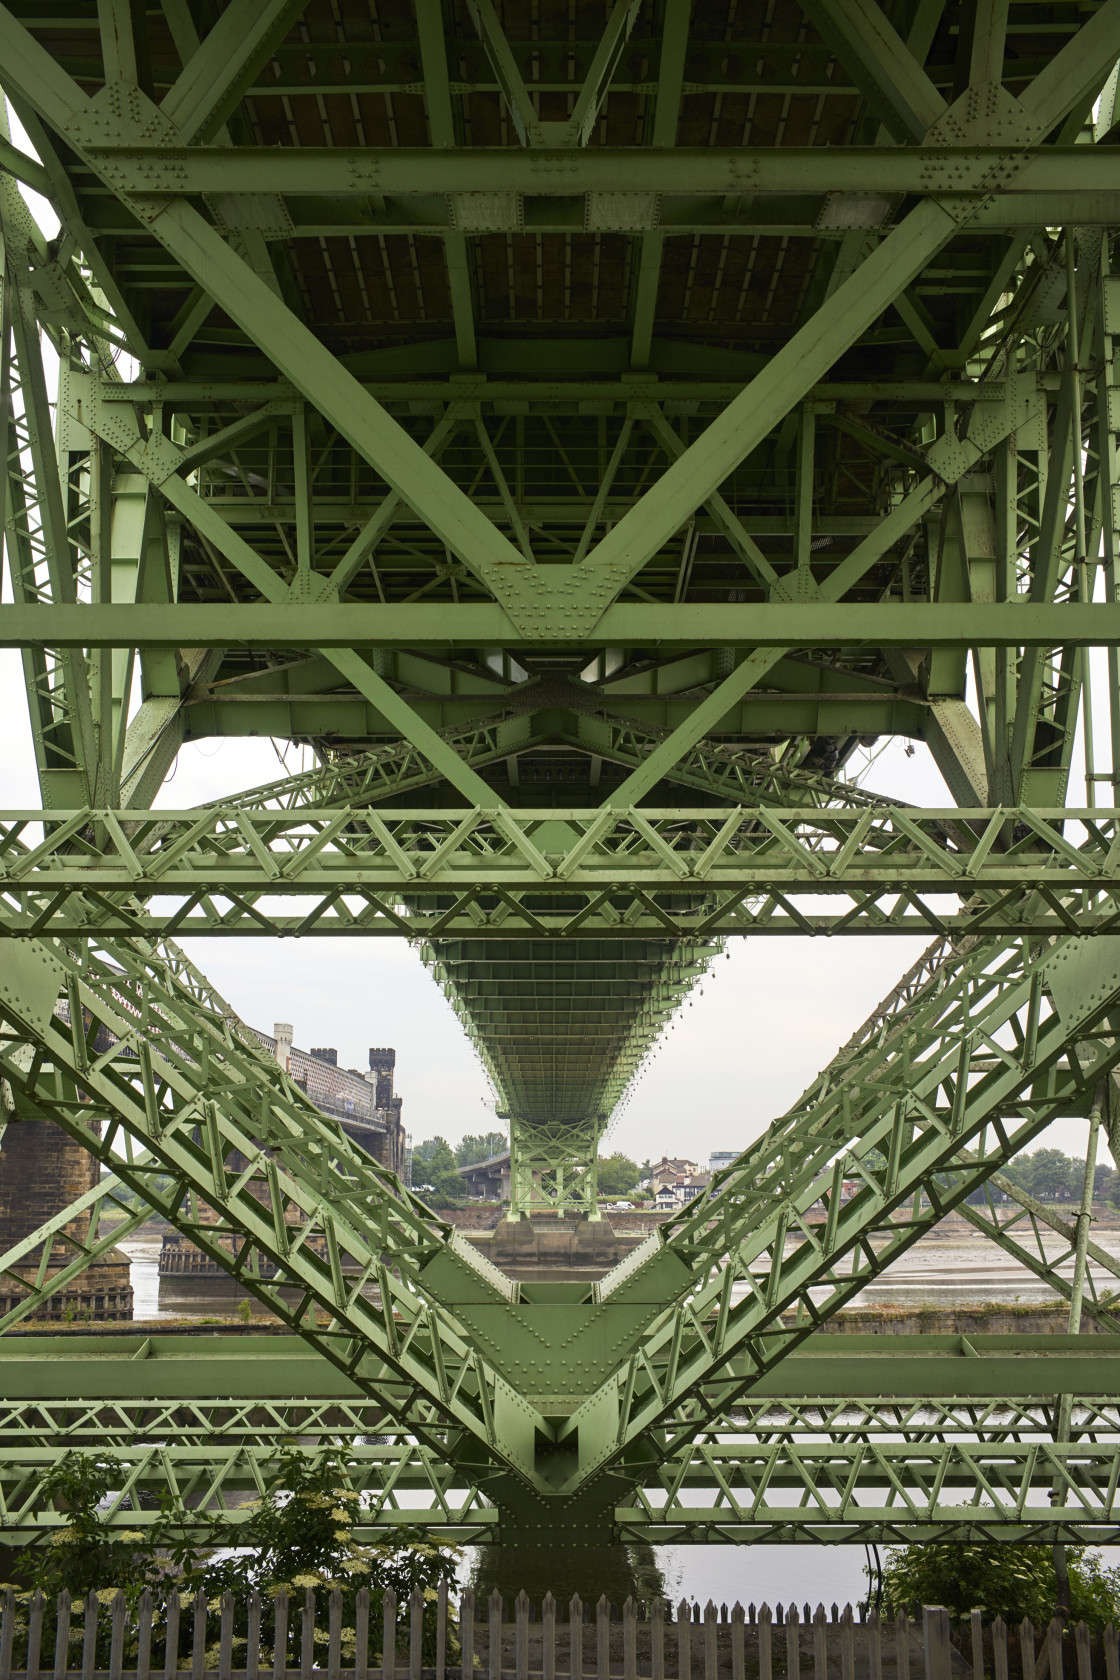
{"x": 584, "y": 426}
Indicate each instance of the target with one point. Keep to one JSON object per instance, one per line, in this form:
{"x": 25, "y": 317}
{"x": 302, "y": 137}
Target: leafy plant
{"x": 298, "y": 1539}
{"x": 1011, "y": 1581}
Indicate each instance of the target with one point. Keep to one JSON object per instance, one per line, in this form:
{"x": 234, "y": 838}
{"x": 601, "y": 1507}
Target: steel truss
{"x": 583, "y": 501}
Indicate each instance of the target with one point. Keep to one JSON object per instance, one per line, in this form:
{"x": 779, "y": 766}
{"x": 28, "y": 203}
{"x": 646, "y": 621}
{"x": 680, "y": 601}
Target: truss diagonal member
{"x": 216, "y": 76}
{"x": 895, "y": 85}
{"x": 292, "y": 1202}
{"x": 896, "y": 1115}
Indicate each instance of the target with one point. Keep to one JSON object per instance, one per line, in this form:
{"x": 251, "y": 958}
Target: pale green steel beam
{"x": 666, "y": 113}
{"x": 807, "y": 624}
{"x": 1075, "y": 74}
{"x": 218, "y": 74}
{"x": 690, "y": 173}
{"x": 441, "y": 125}
{"x": 893, "y": 82}
{"x": 558, "y": 850}
{"x": 231, "y": 1370}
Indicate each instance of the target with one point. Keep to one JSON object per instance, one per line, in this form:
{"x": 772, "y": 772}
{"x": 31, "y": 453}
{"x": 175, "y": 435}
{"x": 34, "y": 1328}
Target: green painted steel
{"x": 584, "y": 446}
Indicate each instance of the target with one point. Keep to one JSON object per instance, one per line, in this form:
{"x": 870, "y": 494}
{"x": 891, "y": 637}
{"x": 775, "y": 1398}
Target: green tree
{"x": 479, "y": 1146}
{"x": 618, "y": 1175}
{"x": 1011, "y": 1581}
{"x": 438, "y": 1176}
{"x": 1054, "y": 1176}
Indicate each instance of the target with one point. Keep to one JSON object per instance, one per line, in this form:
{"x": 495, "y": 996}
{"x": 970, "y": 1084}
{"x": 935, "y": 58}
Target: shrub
{"x": 1011, "y": 1581}
{"x": 298, "y": 1538}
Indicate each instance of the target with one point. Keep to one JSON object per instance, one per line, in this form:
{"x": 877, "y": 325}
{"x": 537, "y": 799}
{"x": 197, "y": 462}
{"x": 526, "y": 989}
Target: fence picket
{"x": 820, "y": 1644}
{"x": 494, "y": 1630}
{"x": 575, "y": 1638}
{"x": 466, "y": 1633}
{"x": 339, "y": 1650}
{"x": 441, "y": 1631}
{"x": 976, "y": 1628}
{"x": 847, "y": 1645}
{"x": 198, "y": 1645}
{"x": 935, "y": 1631}
{"x": 89, "y": 1637}
{"x": 793, "y": 1644}
{"x": 902, "y": 1646}
{"x": 999, "y": 1648}
{"x": 521, "y": 1636}
{"x": 307, "y": 1635}
{"x": 225, "y": 1639}
{"x": 62, "y": 1637}
{"x": 388, "y": 1634}
{"x": 334, "y": 1632}
{"x": 629, "y": 1640}
{"x": 1054, "y": 1647}
{"x": 603, "y": 1638}
{"x": 657, "y": 1639}
{"x": 765, "y": 1652}
{"x": 875, "y": 1646}
{"x": 548, "y": 1638}
{"x": 415, "y": 1634}
{"x": 711, "y": 1646}
{"x": 143, "y": 1636}
{"x": 280, "y": 1643}
{"x": 253, "y": 1636}
{"x": 1111, "y": 1642}
{"x": 684, "y": 1640}
{"x": 35, "y": 1637}
{"x": 171, "y": 1637}
{"x": 8, "y": 1631}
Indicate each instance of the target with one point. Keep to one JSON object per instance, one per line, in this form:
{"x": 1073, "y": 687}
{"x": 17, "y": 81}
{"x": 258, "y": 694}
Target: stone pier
{"x": 41, "y": 1171}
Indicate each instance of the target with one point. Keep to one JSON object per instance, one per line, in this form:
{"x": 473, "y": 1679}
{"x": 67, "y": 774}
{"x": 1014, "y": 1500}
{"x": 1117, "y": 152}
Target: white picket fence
{"x": 100, "y": 1639}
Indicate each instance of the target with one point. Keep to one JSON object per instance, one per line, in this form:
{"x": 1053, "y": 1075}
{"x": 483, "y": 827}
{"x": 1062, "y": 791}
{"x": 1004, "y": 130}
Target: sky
{"x": 771, "y": 1012}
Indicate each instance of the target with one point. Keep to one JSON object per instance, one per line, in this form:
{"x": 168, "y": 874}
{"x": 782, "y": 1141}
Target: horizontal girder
{"x": 773, "y": 625}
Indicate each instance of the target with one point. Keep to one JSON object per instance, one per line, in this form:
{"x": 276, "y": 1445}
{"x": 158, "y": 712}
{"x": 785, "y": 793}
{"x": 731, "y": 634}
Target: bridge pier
{"x": 41, "y": 1172}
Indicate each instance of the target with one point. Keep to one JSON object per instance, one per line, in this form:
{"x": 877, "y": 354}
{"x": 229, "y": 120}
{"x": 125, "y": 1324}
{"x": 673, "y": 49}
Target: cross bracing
{"x": 582, "y": 434}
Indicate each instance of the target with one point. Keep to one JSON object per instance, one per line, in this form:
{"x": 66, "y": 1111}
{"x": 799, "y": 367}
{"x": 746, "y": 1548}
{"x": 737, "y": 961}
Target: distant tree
{"x": 1054, "y": 1175}
{"x": 1106, "y": 1183}
{"x": 479, "y": 1146}
{"x": 618, "y": 1175}
{"x": 423, "y": 1151}
{"x": 437, "y": 1179}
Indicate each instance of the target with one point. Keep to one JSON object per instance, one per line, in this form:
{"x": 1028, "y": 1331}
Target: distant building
{"x": 671, "y": 1171}
{"x": 364, "y": 1102}
{"x": 720, "y": 1158}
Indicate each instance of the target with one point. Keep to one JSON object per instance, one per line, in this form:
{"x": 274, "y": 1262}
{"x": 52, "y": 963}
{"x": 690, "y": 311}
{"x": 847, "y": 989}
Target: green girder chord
{"x": 583, "y": 447}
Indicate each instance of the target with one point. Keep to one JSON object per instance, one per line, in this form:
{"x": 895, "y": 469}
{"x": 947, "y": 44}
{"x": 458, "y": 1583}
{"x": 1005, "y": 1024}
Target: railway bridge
{"x": 584, "y": 423}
